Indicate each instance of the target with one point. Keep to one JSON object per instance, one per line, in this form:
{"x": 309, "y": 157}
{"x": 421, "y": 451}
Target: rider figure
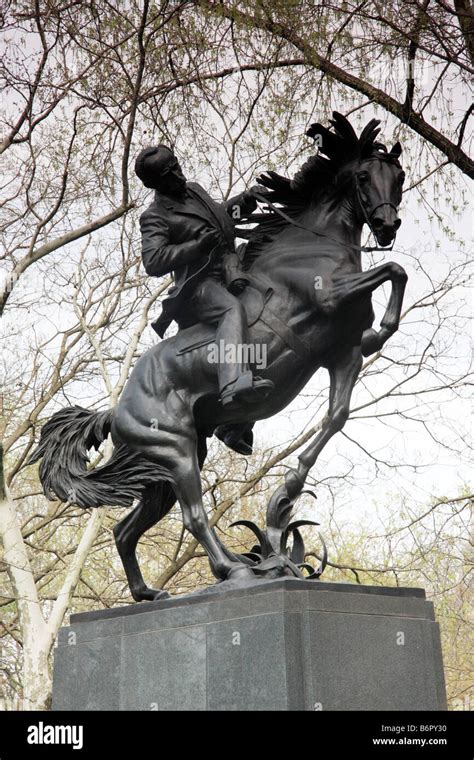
{"x": 185, "y": 232}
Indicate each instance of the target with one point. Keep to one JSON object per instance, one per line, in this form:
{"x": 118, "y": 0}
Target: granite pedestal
{"x": 276, "y": 645}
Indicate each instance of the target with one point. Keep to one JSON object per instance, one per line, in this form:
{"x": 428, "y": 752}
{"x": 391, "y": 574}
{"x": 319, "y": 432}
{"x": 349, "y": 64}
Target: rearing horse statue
{"x": 308, "y": 303}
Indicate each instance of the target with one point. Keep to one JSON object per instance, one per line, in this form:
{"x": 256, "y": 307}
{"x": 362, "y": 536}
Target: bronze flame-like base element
{"x": 271, "y": 557}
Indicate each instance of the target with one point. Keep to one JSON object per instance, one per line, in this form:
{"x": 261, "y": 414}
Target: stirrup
{"x": 246, "y": 388}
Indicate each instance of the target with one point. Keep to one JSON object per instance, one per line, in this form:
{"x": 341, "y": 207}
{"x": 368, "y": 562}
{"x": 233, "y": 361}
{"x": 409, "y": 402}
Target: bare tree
{"x": 232, "y": 86}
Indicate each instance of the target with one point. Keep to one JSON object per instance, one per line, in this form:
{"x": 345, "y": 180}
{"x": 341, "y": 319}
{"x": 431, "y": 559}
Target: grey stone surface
{"x": 278, "y": 645}
{"x": 387, "y": 662}
{"x": 233, "y": 590}
{"x": 234, "y": 649}
{"x": 87, "y": 676}
{"x": 164, "y": 670}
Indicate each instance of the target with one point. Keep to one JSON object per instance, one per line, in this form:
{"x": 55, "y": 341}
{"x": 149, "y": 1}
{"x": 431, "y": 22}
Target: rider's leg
{"x": 215, "y": 305}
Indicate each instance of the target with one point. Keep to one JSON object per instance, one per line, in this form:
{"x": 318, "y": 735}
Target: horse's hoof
{"x": 146, "y": 594}
{"x": 370, "y": 342}
{"x": 240, "y": 574}
{"x": 161, "y": 594}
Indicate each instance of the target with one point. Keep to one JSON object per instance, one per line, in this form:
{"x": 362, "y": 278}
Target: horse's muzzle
{"x": 385, "y": 226}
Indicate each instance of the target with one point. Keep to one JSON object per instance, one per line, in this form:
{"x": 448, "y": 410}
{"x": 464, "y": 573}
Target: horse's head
{"x": 363, "y": 166}
{"x": 351, "y": 177}
{"x": 378, "y": 182}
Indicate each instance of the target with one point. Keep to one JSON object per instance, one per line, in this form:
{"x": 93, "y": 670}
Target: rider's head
{"x": 158, "y": 168}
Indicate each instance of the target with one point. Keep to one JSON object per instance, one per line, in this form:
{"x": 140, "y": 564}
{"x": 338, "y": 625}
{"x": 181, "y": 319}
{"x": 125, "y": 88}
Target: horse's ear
{"x": 315, "y": 129}
{"x": 396, "y": 150}
{"x": 327, "y": 142}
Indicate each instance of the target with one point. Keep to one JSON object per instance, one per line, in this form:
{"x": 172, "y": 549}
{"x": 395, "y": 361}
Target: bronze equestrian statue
{"x": 308, "y": 301}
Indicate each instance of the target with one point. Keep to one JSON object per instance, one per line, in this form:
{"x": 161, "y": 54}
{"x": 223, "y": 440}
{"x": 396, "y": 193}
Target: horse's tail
{"x": 64, "y": 444}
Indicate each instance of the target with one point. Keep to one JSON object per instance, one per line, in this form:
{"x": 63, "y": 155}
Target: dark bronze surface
{"x": 297, "y": 289}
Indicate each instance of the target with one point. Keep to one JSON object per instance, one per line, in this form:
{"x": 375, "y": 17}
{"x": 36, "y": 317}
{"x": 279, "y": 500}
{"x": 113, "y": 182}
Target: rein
{"x": 362, "y": 248}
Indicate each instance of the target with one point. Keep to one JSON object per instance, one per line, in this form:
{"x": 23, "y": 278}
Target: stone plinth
{"x": 276, "y": 645}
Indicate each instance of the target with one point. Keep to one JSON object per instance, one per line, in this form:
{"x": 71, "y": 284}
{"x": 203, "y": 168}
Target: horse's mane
{"x": 319, "y": 175}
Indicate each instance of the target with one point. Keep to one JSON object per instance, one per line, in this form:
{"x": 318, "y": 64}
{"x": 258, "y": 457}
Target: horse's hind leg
{"x": 174, "y": 445}
{"x": 152, "y": 507}
{"x": 223, "y": 563}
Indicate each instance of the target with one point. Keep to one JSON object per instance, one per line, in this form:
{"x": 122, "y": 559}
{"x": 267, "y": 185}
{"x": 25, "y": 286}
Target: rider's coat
{"x": 169, "y": 230}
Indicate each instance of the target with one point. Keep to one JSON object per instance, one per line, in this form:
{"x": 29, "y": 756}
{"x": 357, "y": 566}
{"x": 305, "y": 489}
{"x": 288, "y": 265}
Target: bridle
{"x": 367, "y": 214}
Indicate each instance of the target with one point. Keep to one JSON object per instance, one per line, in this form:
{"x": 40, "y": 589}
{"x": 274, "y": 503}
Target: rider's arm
{"x": 244, "y": 204}
{"x": 159, "y": 255}
{"x": 240, "y": 205}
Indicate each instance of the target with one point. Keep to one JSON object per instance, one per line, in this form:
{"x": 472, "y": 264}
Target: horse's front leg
{"x": 373, "y": 340}
{"x": 349, "y": 287}
{"x": 343, "y": 373}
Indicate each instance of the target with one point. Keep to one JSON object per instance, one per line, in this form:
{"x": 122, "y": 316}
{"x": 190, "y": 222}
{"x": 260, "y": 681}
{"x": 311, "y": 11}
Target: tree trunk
{"x": 37, "y": 680}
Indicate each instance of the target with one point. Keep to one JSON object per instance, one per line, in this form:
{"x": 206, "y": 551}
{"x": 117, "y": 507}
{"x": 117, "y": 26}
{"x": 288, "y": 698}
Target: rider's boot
{"x": 238, "y": 437}
{"x": 246, "y": 388}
